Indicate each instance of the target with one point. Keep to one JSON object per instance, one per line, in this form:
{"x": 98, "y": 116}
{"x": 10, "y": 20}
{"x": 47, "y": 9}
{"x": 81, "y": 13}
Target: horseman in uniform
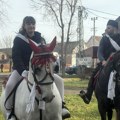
{"x": 104, "y": 51}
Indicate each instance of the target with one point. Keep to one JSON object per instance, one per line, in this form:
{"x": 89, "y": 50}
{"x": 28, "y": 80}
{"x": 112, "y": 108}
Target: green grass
{"x": 1, "y": 116}
{"x": 79, "y": 110}
{"x": 75, "y": 82}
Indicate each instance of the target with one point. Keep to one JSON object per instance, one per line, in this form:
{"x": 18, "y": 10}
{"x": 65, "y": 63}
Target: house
{"x": 90, "y": 52}
{"x": 93, "y": 41}
{"x": 5, "y": 59}
{"x": 7, "y": 51}
{"x": 73, "y": 51}
{"x": 71, "y": 56}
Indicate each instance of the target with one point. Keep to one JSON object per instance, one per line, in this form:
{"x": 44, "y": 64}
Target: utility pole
{"x": 94, "y": 30}
{"x": 80, "y": 37}
{"x": 80, "y": 30}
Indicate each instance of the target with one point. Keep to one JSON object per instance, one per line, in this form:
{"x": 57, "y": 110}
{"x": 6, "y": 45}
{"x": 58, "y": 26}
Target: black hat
{"x": 113, "y": 23}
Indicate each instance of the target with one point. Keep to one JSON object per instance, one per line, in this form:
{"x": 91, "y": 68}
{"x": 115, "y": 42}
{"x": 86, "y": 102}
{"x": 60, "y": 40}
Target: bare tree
{"x": 7, "y": 42}
{"x": 62, "y": 12}
{"x": 3, "y": 11}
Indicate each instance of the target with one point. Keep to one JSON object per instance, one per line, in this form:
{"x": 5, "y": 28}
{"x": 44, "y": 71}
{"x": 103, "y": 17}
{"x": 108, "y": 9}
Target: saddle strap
{"x": 13, "y": 107}
{"x": 13, "y": 91}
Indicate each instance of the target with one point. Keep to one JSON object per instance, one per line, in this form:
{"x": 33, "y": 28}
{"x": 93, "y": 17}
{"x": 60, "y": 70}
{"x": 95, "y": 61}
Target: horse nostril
{"x": 53, "y": 96}
{"x": 48, "y": 99}
{"x": 44, "y": 99}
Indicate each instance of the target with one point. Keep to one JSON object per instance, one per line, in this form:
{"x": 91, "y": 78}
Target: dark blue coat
{"x": 21, "y": 52}
{"x": 105, "y": 48}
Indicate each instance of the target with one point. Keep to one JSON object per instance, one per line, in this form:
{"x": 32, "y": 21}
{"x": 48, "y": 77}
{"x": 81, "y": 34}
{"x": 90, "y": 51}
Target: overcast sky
{"x": 18, "y": 9}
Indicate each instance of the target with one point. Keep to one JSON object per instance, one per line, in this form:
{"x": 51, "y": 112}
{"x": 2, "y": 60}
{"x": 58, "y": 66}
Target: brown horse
{"x": 106, "y": 105}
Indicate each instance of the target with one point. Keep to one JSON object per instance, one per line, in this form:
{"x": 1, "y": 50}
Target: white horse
{"x": 47, "y": 97}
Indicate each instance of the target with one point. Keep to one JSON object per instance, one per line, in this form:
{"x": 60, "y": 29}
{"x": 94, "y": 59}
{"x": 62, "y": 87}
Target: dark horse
{"x": 106, "y": 105}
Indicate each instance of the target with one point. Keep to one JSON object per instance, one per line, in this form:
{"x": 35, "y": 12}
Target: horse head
{"x": 41, "y": 69}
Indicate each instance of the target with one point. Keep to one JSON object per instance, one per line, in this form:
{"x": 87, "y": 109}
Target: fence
{"x": 2, "y": 77}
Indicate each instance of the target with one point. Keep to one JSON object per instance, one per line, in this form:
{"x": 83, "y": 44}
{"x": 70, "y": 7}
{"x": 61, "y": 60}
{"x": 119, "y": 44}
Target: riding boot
{"x": 86, "y": 96}
{"x": 65, "y": 111}
{"x": 90, "y": 88}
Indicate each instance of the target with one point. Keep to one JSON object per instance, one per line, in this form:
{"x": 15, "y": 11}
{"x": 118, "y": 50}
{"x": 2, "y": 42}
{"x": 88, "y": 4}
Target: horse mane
{"x": 110, "y": 65}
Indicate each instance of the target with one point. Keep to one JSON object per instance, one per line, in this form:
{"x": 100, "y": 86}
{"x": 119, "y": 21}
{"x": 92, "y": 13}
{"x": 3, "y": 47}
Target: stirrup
{"x": 65, "y": 112}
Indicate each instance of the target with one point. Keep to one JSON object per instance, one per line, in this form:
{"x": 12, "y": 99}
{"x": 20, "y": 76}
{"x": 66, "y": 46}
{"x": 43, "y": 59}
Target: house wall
{"x": 90, "y": 41}
{"x": 73, "y": 60}
{"x": 69, "y": 60}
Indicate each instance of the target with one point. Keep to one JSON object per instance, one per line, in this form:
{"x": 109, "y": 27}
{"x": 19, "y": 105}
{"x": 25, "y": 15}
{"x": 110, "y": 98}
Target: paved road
{"x": 72, "y": 90}
{"x": 68, "y": 91}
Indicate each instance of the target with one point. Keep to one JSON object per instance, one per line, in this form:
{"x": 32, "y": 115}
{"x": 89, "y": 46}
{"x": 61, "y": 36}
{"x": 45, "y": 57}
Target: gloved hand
{"x": 25, "y": 74}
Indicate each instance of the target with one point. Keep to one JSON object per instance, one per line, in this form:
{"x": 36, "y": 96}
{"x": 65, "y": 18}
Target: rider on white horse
{"x": 21, "y": 52}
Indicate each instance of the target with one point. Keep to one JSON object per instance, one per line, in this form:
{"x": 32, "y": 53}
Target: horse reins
{"x": 41, "y": 83}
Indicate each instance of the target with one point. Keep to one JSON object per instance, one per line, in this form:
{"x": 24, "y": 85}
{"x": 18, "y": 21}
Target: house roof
{"x": 8, "y": 51}
{"x": 89, "y": 43}
{"x": 71, "y": 46}
{"x": 90, "y": 52}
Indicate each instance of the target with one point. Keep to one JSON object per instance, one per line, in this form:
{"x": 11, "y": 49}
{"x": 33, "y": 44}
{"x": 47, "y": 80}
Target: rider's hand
{"x": 25, "y": 74}
{"x": 104, "y": 62}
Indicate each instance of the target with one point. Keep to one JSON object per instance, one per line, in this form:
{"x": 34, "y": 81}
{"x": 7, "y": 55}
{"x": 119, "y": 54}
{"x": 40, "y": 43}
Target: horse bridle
{"x": 41, "y": 82}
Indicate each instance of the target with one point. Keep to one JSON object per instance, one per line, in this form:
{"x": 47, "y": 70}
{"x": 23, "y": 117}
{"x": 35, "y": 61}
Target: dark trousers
{"x": 91, "y": 84}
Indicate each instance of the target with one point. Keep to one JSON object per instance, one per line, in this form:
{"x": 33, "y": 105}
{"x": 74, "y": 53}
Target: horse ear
{"x": 34, "y": 47}
{"x": 52, "y": 44}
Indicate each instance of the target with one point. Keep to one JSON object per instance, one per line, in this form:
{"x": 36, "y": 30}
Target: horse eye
{"x": 37, "y": 70}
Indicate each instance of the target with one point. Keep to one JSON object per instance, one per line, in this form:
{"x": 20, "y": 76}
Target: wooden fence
{"x": 2, "y": 78}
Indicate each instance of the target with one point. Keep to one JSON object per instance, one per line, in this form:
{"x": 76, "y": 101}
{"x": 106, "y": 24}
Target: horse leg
{"x": 102, "y": 111}
{"x": 117, "y": 114}
{"x": 109, "y": 114}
